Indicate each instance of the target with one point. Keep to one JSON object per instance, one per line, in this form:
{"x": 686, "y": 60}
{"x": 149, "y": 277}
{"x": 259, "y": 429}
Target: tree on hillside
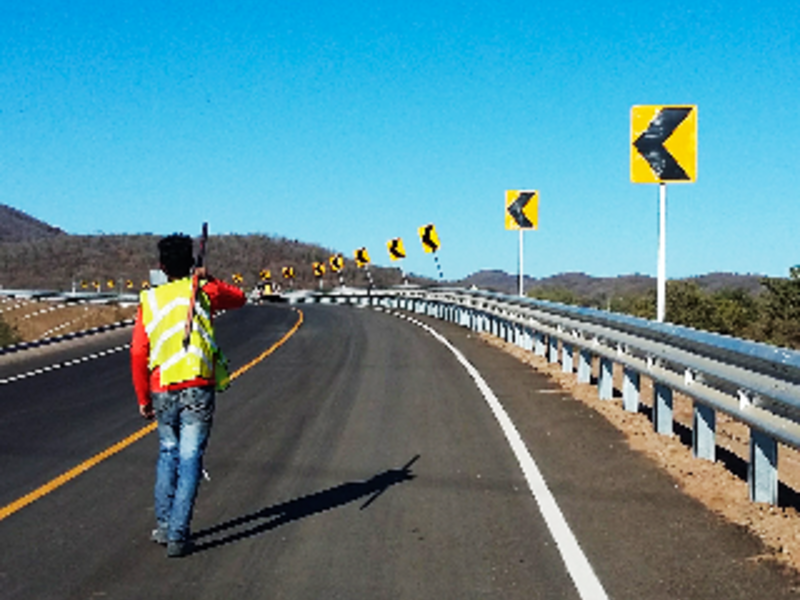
{"x": 688, "y": 305}
{"x": 736, "y": 312}
{"x": 561, "y": 295}
{"x": 781, "y": 312}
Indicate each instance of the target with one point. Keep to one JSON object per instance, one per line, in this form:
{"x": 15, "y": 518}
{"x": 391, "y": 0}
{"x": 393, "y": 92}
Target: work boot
{"x": 179, "y": 548}
{"x": 159, "y": 536}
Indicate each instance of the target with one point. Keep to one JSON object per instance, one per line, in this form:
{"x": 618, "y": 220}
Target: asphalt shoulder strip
{"x": 644, "y": 538}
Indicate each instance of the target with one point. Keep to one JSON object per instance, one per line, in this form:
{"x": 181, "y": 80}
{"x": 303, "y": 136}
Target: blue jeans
{"x": 184, "y": 424}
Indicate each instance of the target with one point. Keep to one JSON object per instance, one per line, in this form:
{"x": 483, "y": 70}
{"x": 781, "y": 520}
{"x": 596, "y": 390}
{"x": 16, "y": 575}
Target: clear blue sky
{"x": 350, "y": 123}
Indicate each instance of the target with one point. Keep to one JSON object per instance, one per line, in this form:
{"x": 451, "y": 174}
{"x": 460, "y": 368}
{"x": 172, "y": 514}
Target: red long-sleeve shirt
{"x": 222, "y": 296}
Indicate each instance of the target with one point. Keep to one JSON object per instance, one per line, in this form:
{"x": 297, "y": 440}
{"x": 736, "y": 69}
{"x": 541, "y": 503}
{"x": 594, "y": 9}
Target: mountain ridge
{"x": 18, "y": 226}
{"x": 35, "y": 254}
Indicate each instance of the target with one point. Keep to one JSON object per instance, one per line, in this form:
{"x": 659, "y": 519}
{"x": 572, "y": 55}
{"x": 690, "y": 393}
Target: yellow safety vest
{"x": 164, "y": 312}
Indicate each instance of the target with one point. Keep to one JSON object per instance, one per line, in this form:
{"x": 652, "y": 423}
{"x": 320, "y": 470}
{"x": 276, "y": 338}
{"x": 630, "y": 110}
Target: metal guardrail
{"x": 756, "y": 384}
{"x": 92, "y": 297}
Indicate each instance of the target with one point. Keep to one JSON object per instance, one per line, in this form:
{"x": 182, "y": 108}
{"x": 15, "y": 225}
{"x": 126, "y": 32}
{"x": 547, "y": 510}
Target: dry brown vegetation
{"x": 59, "y": 262}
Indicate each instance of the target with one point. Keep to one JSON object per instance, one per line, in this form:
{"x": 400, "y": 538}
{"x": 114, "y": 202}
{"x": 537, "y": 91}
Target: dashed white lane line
{"x": 67, "y": 363}
{"x": 578, "y": 566}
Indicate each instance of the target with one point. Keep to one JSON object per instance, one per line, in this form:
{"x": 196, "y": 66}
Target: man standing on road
{"x": 175, "y": 381}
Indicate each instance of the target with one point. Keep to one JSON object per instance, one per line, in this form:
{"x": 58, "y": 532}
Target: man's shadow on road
{"x": 294, "y": 510}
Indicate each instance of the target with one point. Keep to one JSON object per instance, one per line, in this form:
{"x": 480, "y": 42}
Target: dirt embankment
{"x": 721, "y": 485}
{"x": 34, "y": 320}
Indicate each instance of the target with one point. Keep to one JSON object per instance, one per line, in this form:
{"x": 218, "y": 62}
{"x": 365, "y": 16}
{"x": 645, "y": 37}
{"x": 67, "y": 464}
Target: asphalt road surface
{"x": 359, "y": 460}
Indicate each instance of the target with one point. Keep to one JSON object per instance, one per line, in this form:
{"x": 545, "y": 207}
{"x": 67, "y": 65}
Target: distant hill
{"x": 587, "y": 286}
{"x": 16, "y": 226}
{"x": 58, "y": 262}
{"x": 34, "y": 254}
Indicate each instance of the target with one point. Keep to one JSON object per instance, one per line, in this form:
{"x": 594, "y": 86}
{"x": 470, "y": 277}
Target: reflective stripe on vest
{"x": 164, "y": 311}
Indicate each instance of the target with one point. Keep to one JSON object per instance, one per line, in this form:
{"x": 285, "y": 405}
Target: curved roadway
{"x": 359, "y": 460}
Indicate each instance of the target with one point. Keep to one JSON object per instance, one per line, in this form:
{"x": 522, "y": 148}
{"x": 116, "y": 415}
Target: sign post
{"x": 522, "y": 212}
{"x": 430, "y": 244}
{"x": 663, "y": 150}
{"x": 337, "y": 265}
{"x": 319, "y": 272}
{"x": 397, "y": 251}
{"x": 362, "y": 262}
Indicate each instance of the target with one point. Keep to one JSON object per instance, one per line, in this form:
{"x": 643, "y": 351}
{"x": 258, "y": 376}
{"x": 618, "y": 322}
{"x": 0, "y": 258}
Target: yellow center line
{"x": 88, "y": 464}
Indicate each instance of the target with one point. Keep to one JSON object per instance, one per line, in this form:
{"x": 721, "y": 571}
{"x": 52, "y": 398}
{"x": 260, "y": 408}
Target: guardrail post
{"x": 584, "y": 366}
{"x": 762, "y": 472}
{"x": 522, "y": 337}
{"x": 566, "y": 358}
{"x": 553, "y": 357}
{"x": 704, "y": 429}
{"x": 539, "y": 346}
{"x": 662, "y": 409}
{"x": 605, "y": 384}
{"x": 630, "y": 390}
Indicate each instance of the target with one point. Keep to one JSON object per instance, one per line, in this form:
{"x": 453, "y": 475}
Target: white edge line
{"x": 69, "y": 363}
{"x": 581, "y": 572}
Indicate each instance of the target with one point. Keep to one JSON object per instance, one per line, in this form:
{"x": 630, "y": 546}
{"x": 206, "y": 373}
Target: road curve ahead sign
{"x": 397, "y": 250}
{"x": 429, "y": 238}
{"x": 362, "y": 257}
{"x": 664, "y": 144}
{"x": 522, "y": 209}
{"x": 337, "y": 262}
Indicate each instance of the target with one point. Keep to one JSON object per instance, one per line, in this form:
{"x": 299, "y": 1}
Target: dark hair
{"x": 176, "y": 255}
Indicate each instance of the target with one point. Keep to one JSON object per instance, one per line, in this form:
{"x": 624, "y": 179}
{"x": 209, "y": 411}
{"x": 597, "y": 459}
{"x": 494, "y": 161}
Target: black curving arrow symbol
{"x": 427, "y": 238}
{"x": 651, "y": 143}
{"x": 395, "y": 249}
{"x": 515, "y": 209}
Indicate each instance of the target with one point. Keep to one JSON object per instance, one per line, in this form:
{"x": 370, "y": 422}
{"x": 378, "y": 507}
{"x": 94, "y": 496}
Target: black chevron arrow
{"x": 395, "y": 250}
{"x": 651, "y": 143}
{"x": 427, "y": 240}
{"x": 515, "y": 209}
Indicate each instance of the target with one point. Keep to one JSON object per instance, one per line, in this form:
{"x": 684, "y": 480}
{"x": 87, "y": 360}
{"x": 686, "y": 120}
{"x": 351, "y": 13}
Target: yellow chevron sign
{"x": 664, "y": 144}
{"x": 319, "y": 269}
{"x": 522, "y": 209}
{"x": 429, "y": 237}
{"x": 337, "y": 262}
{"x": 396, "y": 249}
{"x": 362, "y": 257}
